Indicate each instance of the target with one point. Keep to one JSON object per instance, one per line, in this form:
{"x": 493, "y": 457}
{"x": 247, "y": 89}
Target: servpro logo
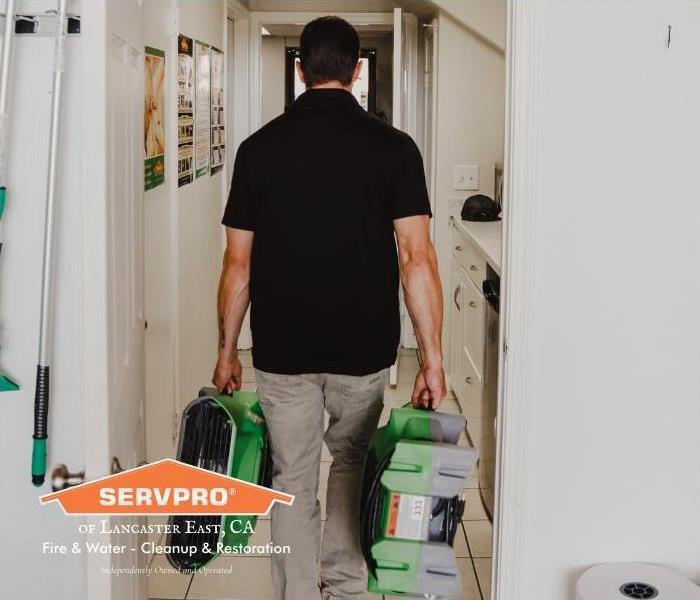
{"x": 167, "y": 487}
{"x": 164, "y": 496}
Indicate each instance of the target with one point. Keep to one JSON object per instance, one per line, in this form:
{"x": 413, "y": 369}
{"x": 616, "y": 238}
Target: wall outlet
{"x": 465, "y": 177}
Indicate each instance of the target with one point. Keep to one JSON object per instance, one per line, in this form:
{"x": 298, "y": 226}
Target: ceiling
{"x": 421, "y": 8}
{"x": 295, "y": 30}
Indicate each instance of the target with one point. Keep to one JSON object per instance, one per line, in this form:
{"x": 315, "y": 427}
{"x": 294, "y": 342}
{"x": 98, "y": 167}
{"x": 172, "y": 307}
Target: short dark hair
{"x": 330, "y": 49}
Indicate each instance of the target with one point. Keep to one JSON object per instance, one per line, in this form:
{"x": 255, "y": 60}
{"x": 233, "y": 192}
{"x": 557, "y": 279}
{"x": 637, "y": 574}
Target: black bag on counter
{"x": 480, "y": 208}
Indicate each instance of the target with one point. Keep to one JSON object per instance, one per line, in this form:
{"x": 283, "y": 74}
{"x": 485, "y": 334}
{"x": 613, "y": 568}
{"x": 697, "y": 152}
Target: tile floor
{"x": 248, "y": 578}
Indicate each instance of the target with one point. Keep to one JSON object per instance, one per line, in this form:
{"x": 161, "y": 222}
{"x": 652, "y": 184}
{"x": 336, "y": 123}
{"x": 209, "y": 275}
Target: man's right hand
{"x": 228, "y": 374}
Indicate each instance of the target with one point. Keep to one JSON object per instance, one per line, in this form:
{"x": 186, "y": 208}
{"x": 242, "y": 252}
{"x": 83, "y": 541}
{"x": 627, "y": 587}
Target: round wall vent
{"x": 638, "y": 590}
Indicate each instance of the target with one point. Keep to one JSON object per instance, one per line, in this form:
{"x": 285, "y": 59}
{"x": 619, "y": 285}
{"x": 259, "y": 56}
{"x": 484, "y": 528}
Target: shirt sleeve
{"x": 409, "y": 196}
{"x": 240, "y": 207}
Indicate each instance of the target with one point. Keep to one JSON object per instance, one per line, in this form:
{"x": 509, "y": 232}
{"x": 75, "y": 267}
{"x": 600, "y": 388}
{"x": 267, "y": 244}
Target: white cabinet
{"x": 466, "y": 328}
{"x": 456, "y": 331}
{"x": 473, "y": 320}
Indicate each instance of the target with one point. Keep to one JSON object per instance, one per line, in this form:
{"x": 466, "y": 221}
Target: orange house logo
{"x": 167, "y": 487}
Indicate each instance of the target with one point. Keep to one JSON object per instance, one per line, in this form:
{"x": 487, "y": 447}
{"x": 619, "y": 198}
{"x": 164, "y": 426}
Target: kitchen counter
{"x": 486, "y": 238}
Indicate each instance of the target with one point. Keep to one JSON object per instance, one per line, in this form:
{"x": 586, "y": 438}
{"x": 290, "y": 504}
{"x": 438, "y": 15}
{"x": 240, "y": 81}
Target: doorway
{"x": 406, "y": 56}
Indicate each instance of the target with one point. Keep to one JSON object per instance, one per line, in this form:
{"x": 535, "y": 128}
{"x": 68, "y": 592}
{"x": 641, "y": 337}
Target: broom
{"x": 6, "y": 383}
{"x": 41, "y": 396}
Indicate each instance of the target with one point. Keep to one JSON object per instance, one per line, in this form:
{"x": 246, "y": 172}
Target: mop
{"x": 41, "y": 396}
{"x": 6, "y": 384}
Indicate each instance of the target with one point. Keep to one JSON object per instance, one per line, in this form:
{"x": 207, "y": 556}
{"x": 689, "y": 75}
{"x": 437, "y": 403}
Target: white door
{"x": 404, "y": 107}
{"x": 430, "y": 106}
{"x": 117, "y": 423}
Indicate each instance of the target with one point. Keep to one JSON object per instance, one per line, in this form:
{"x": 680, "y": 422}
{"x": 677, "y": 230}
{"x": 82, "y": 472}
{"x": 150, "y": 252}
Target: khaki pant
{"x": 294, "y": 410}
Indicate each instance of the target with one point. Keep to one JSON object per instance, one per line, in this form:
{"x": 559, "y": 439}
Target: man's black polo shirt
{"x": 320, "y": 186}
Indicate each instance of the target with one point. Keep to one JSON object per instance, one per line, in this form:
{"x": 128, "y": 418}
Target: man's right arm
{"x": 233, "y": 302}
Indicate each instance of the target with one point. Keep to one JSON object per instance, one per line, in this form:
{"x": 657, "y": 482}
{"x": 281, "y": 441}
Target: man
{"x": 319, "y": 199}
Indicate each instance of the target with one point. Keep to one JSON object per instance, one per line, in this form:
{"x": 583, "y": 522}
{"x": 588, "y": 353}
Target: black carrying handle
{"x": 430, "y": 407}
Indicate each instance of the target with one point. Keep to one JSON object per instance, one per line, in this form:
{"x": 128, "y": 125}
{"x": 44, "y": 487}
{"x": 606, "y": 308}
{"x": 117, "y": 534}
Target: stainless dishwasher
{"x": 489, "y": 398}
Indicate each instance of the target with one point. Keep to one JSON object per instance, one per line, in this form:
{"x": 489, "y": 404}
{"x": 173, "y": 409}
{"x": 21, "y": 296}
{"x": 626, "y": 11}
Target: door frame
{"x": 259, "y": 19}
{"x": 520, "y": 181}
{"x": 519, "y": 235}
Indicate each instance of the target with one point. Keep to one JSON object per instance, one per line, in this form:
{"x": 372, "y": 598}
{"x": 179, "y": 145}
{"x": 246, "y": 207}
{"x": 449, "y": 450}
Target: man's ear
{"x": 300, "y": 72}
{"x": 357, "y": 72}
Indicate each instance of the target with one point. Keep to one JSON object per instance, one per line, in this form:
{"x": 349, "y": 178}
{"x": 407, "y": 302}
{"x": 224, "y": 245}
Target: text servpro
{"x": 163, "y": 496}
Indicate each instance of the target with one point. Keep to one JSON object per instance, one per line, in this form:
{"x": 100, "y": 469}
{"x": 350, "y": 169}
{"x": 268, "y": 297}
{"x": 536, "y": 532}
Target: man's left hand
{"x": 430, "y": 387}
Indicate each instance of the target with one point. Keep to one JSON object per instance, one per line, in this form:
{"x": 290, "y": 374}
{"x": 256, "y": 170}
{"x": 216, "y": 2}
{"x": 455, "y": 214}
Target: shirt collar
{"x": 325, "y": 98}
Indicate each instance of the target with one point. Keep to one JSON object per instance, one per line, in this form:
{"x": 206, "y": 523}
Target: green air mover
{"x": 411, "y": 503}
{"x": 225, "y": 434}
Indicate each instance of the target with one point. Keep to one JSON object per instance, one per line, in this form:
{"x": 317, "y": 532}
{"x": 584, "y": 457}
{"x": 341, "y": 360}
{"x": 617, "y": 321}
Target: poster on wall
{"x": 201, "y": 109}
{"x": 218, "y": 134}
{"x": 154, "y": 118}
{"x": 185, "y": 111}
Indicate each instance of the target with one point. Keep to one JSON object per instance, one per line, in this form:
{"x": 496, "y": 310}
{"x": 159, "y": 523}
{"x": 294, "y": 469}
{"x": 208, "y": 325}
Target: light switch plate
{"x": 465, "y": 177}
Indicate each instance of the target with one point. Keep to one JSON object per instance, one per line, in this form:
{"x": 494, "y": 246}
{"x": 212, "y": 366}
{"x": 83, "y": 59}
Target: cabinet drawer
{"x": 473, "y": 322}
{"x": 469, "y": 396}
{"x": 467, "y": 256}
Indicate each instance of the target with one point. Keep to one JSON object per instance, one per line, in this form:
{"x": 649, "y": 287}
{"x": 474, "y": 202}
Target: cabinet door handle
{"x": 472, "y": 304}
{"x": 473, "y": 268}
{"x": 469, "y": 380}
{"x": 455, "y": 297}
{"x": 459, "y": 248}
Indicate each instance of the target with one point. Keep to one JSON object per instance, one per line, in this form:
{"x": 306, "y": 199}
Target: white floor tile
{"x": 473, "y": 509}
{"x": 480, "y": 536}
{"x": 483, "y": 573}
{"x": 408, "y": 368}
{"x": 470, "y": 588}
{"x": 399, "y": 395}
{"x": 165, "y": 582}
{"x": 233, "y": 578}
{"x": 246, "y": 358}
{"x": 460, "y": 545}
{"x": 464, "y": 440}
{"x": 248, "y": 375}
{"x": 472, "y": 482}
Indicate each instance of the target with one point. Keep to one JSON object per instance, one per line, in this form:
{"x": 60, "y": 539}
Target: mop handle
{"x": 41, "y": 397}
{"x": 4, "y": 84}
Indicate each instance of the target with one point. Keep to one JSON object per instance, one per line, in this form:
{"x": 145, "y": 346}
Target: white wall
{"x": 487, "y": 18}
{"x": 183, "y": 245}
{"x": 200, "y": 208}
{"x": 273, "y": 77}
{"x": 161, "y": 251}
{"x": 27, "y": 524}
{"x": 470, "y": 121}
{"x": 607, "y": 466}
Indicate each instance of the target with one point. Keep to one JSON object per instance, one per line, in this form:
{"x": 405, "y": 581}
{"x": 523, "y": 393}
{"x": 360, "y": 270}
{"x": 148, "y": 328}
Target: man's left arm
{"x": 423, "y": 295}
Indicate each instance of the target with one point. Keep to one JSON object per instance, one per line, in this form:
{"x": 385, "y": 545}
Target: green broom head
{"x": 6, "y": 384}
